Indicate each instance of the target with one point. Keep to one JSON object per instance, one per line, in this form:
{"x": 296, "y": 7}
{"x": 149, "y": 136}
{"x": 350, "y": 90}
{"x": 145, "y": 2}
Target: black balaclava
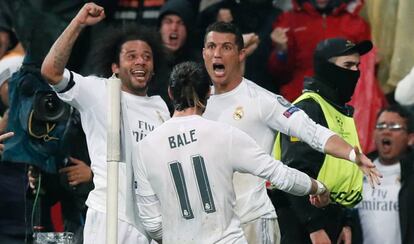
{"x": 332, "y": 4}
{"x": 342, "y": 80}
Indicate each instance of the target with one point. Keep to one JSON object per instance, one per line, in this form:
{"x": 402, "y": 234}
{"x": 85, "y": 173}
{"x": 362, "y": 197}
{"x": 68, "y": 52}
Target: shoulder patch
{"x": 290, "y": 111}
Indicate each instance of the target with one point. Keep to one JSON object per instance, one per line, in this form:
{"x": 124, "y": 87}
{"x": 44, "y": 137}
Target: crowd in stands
{"x": 291, "y": 81}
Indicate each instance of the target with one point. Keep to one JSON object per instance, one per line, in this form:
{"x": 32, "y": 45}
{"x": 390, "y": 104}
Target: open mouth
{"x": 386, "y": 145}
{"x": 386, "y": 142}
{"x": 173, "y": 36}
{"x": 138, "y": 73}
{"x": 218, "y": 69}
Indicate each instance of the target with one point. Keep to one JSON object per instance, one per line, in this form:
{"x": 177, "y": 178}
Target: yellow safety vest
{"x": 343, "y": 178}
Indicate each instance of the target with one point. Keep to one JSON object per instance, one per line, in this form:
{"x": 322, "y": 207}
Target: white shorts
{"x": 262, "y": 231}
{"x": 95, "y": 230}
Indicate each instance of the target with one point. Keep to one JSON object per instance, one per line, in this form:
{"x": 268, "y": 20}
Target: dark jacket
{"x": 405, "y": 202}
{"x": 297, "y": 217}
{"x": 188, "y": 52}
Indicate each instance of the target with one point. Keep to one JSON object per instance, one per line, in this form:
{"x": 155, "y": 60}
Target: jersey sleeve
{"x": 80, "y": 91}
{"x": 140, "y": 173}
{"x": 149, "y": 211}
{"x": 404, "y": 93}
{"x": 247, "y": 157}
{"x": 282, "y": 116}
{"x": 149, "y": 207}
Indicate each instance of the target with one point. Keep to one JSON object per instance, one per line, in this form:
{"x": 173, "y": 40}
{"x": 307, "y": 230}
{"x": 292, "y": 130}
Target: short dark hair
{"x": 189, "y": 84}
{"x": 403, "y": 112}
{"x": 224, "y": 27}
{"x": 109, "y": 46}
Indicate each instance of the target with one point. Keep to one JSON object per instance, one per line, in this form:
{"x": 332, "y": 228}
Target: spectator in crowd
{"x": 70, "y": 186}
{"x": 31, "y": 147}
{"x": 185, "y": 141}
{"x": 176, "y": 25}
{"x": 336, "y": 62}
{"x": 404, "y": 93}
{"x": 8, "y": 39}
{"x": 250, "y": 17}
{"x": 243, "y": 104}
{"x": 385, "y": 213}
{"x": 9, "y": 64}
{"x": 15, "y": 207}
{"x": 133, "y": 54}
{"x": 297, "y": 32}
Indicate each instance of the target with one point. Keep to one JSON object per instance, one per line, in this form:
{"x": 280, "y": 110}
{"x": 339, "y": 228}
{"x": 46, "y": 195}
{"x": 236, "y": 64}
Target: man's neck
{"x": 388, "y": 162}
{"x": 188, "y": 112}
{"x": 140, "y": 93}
{"x": 220, "y": 89}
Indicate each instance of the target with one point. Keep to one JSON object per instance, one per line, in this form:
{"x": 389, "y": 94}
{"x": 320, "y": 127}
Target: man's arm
{"x": 248, "y": 157}
{"x": 55, "y": 62}
{"x": 150, "y": 215}
{"x": 293, "y": 121}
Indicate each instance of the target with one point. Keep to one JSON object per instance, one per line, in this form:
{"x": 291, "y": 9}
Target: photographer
{"x": 70, "y": 186}
{"x": 48, "y": 138}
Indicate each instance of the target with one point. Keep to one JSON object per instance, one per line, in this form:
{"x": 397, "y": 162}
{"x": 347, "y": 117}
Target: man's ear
{"x": 170, "y": 94}
{"x": 411, "y": 139}
{"x": 115, "y": 68}
{"x": 242, "y": 55}
{"x": 204, "y": 54}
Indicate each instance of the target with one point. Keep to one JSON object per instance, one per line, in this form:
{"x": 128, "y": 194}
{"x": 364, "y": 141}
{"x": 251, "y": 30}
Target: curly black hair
{"x": 108, "y": 47}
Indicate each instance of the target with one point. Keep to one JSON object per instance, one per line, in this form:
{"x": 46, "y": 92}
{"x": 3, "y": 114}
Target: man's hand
{"x": 346, "y": 236}
{"x": 4, "y": 137}
{"x": 320, "y": 237}
{"x": 368, "y": 168}
{"x": 79, "y": 172}
{"x": 90, "y": 14}
{"x": 280, "y": 39}
{"x": 321, "y": 200}
{"x": 251, "y": 42}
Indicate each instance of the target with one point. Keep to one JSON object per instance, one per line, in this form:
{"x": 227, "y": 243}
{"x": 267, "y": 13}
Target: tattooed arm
{"x": 54, "y": 64}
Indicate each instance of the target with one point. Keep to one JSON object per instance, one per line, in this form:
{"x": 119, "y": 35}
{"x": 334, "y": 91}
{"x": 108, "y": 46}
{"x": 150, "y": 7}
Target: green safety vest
{"x": 343, "y": 178}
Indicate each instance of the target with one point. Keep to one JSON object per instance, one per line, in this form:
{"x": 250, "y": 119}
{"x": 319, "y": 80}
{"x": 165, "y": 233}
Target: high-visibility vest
{"x": 343, "y": 178}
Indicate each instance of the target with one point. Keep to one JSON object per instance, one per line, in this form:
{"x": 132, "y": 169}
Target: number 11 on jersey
{"x": 202, "y": 182}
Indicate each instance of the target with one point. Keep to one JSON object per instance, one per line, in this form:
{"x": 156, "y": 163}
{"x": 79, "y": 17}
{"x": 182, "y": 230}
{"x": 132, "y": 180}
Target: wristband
{"x": 321, "y": 188}
{"x": 352, "y": 156}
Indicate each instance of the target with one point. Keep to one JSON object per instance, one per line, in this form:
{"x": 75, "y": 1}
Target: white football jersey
{"x": 379, "y": 210}
{"x": 143, "y": 114}
{"x": 188, "y": 163}
{"x": 261, "y": 114}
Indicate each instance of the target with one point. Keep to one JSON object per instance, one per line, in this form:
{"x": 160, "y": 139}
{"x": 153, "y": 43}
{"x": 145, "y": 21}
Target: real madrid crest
{"x": 238, "y": 113}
